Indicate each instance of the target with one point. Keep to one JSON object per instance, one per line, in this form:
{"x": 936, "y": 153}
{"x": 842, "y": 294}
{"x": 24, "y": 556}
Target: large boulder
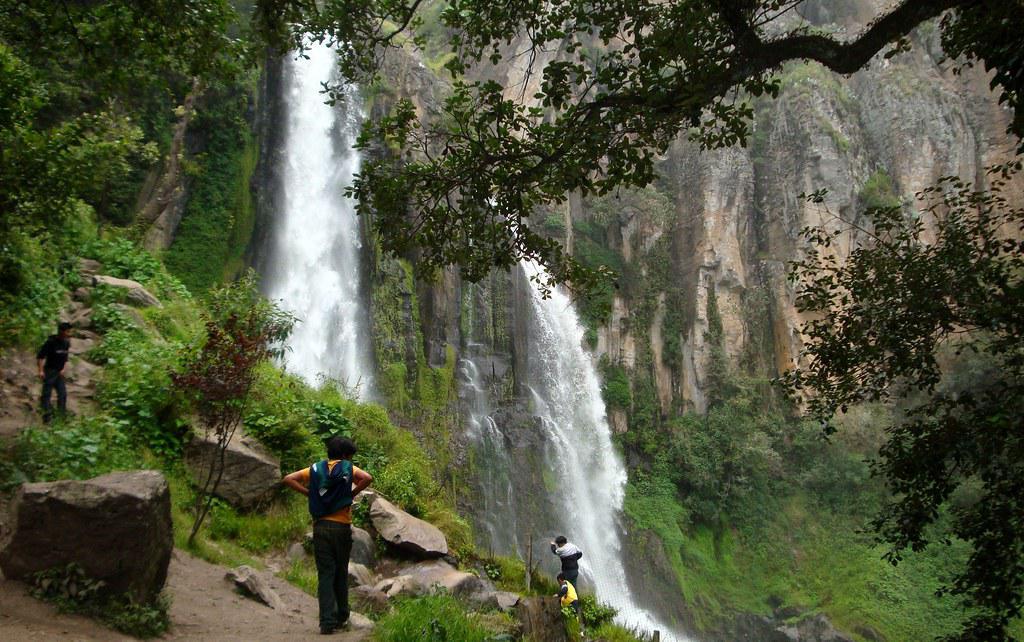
{"x": 429, "y": 577}
{"x": 405, "y": 532}
{"x": 363, "y": 549}
{"x": 134, "y": 292}
{"x": 250, "y": 472}
{"x": 540, "y": 619}
{"x": 116, "y": 527}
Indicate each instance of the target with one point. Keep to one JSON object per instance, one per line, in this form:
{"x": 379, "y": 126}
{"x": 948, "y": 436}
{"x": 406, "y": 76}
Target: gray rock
{"x": 504, "y": 601}
{"x": 430, "y": 577}
{"x": 359, "y": 622}
{"x": 359, "y": 575}
{"x": 250, "y": 472}
{"x": 296, "y": 552}
{"x": 252, "y": 584}
{"x": 135, "y": 292}
{"x": 89, "y": 267}
{"x": 81, "y": 318}
{"x": 368, "y": 598}
{"x": 363, "y": 548}
{"x": 117, "y": 527}
{"x": 408, "y": 533}
{"x": 540, "y": 619}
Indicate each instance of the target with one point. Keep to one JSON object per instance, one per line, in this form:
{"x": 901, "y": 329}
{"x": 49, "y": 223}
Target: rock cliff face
{"x": 879, "y": 136}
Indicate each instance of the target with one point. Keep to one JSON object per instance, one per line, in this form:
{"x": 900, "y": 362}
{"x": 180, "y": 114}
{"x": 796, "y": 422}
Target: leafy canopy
{"x": 927, "y": 312}
{"x": 598, "y": 91}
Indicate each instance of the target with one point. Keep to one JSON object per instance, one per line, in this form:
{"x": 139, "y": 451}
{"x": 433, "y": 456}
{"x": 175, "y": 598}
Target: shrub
{"x": 136, "y": 388}
{"x": 125, "y": 260}
{"x": 594, "y": 613}
{"x": 613, "y": 633}
{"x": 73, "y": 591}
{"x": 281, "y": 524}
{"x": 80, "y": 449}
{"x": 616, "y": 391}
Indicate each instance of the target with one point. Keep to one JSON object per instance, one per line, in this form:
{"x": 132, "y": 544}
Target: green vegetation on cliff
{"x": 218, "y": 220}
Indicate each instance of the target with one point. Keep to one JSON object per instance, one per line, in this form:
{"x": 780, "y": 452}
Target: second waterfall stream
{"x": 591, "y": 477}
{"x": 313, "y": 267}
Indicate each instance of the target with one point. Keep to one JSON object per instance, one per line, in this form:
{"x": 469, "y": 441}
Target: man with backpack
{"x": 330, "y": 485}
{"x": 570, "y": 556}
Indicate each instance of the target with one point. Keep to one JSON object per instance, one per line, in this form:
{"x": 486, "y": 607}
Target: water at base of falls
{"x": 313, "y": 266}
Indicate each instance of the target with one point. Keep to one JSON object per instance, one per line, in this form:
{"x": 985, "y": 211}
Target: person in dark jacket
{"x": 52, "y": 359}
{"x": 569, "y": 556}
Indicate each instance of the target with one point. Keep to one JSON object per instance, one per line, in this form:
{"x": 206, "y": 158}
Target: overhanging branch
{"x": 848, "y": 57}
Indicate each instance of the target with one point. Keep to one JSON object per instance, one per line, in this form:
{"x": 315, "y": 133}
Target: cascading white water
{"x": 313, "y": 265}
{"x": 591, "y": 476}
{"x": 497, "y": 499}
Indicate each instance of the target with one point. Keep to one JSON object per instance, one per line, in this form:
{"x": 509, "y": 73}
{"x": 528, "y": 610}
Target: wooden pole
{"x": 657, "y": 636}
{"x": 529, "y": 561}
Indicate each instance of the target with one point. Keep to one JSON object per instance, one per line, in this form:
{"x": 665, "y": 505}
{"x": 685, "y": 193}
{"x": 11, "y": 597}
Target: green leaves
{"x": 926, "y": 312}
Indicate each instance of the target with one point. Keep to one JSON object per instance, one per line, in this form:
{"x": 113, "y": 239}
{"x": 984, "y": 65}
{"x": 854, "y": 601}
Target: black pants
{"x": 332, "y": 545}
{"x": 571, "y": 575}
{"x": 52, "y": 380}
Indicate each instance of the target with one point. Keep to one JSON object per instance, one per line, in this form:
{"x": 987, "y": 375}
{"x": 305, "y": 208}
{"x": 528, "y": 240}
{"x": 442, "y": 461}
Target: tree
{"x": 618, "y": 81}
{"x": 243, "y": 330}
{"x": 85, "y": 90}
{"x": 895, "y": 322}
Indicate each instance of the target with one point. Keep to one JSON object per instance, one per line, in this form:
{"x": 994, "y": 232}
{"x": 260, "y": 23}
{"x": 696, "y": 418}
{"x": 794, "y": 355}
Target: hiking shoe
{"x": 327, "y": 630}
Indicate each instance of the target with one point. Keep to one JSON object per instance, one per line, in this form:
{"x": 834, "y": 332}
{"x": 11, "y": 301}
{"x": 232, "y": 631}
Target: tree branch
{"x": 848, "y": 57}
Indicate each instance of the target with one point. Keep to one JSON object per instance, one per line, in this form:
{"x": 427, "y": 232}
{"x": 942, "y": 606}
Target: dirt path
{"x": 204, "y": 606}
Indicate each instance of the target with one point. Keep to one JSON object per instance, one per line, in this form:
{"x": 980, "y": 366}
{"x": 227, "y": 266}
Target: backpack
{"x": 330, "y": 490}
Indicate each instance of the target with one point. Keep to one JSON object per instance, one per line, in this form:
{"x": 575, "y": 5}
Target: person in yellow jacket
{"x": 568, "y": 594}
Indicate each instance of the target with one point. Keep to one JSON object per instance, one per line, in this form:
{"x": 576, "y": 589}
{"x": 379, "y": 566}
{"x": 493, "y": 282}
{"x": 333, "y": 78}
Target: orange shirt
{"x": 343, "y": 516}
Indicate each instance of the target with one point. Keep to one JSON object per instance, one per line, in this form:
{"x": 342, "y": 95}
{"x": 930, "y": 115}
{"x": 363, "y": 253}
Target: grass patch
{"x": 435, "y": 618}
{"x": 281, "y": 524}
{"x": 610, "y": 632}
{"x": 818, "y": 562}
{"x": 302, "y": 573}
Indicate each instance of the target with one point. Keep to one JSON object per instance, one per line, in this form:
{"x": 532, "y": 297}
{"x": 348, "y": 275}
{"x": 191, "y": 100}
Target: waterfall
{"x": 313, "y": 264}
{"x": 591, "y": 476}
{"x": 498, "y": 505}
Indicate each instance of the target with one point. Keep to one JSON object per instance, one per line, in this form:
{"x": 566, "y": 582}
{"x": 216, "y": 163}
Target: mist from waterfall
{"x": 591, "y": 477}
{"x": 313, "y": 266}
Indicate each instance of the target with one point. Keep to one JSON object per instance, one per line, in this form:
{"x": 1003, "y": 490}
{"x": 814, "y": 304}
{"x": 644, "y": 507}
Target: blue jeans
{"x": 52, "y": 380}
{"x": 332, "y": 545}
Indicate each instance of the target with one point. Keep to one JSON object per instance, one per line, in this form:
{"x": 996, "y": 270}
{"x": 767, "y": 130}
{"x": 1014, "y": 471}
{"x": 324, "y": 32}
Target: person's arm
{"x": 554, "y": 548}
{"x": 563, "y": 591}
{"x": 360, "y": 480}
{"x": 579, "y": 555}
{"x": 297, "y": 481}
{"x": 41, "y": 358}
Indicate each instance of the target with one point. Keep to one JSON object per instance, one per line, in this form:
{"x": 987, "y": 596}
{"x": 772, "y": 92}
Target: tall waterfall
{"x": 313, "y": 265}
{"x": 591, "y": 477}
